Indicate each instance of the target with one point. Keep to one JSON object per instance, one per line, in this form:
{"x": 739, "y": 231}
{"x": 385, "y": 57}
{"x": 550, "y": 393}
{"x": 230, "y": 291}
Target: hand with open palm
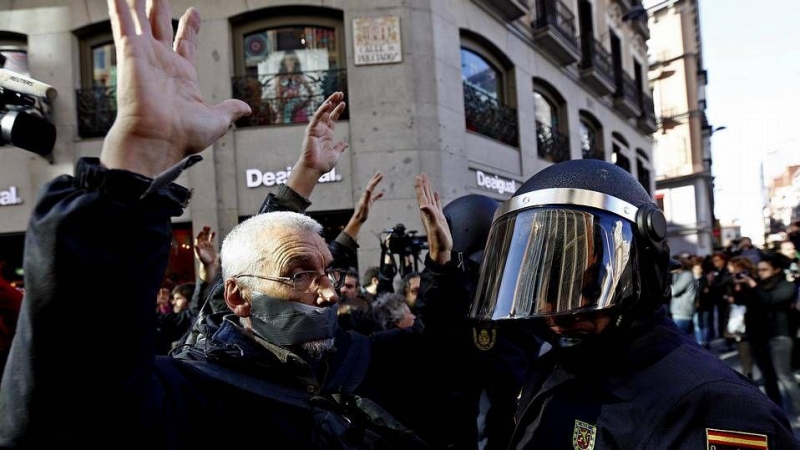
{"x": 320, "y": 153}
{"x": 161, "y": 114}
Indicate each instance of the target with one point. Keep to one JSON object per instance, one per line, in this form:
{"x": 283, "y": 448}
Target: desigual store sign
{"x": 495, "y": 183}
{"x": 10, "y": 197}
{"x": 256, "y": 178}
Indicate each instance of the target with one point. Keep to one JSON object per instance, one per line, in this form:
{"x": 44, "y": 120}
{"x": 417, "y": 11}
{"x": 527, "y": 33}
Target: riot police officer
{"x": 581, "y": 249}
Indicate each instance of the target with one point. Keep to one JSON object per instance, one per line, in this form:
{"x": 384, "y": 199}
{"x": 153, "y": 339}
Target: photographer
{"x": 773, "y": 297}
{"x": 407, "y": 245}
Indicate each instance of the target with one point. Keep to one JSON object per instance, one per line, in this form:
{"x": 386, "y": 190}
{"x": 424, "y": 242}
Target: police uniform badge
{"x": 734, "y": 440}
{"x": 583, "y": 436}
{"x": 484, "y": 336}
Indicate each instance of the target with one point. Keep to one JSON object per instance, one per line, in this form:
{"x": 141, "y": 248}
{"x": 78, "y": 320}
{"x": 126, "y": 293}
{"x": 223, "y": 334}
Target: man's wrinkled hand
{"x": 161, "y": 114}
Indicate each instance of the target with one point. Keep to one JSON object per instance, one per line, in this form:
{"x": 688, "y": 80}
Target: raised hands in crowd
{"x": 161, "y": 114}
{"x": 440, "y": 241}
{"x": 206, "y": 254}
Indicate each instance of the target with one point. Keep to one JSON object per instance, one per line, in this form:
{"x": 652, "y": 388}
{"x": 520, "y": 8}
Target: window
{"x": 287, "y": 66}
{"x": 642, "y": 171}
{"x": 619, "y": 152}
{"x": 643, "y": 174}
{"x": 14, "y": 52}
{"x": 591, "y": 137}
{"x": 480, "y": 74}
{"x": 488, "y": 90}
{"x": 551, "y": 134}
{"x": 97, "y": 98}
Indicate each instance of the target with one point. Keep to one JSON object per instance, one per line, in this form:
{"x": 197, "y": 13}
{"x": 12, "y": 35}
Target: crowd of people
{"x": 536, "y": 323}
{"x": 748, "y": 299}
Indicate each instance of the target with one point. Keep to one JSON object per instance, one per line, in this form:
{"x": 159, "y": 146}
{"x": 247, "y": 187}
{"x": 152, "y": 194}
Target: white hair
{"x": 247, "y": 248}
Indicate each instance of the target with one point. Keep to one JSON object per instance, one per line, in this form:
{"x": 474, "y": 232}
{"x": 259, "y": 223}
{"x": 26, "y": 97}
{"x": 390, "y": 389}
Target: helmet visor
{"x": 549, "y": 261}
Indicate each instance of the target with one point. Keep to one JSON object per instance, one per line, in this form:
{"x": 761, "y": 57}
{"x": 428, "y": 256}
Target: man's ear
{"x": 374, "y": 280}
{"x": 235, "y": 300}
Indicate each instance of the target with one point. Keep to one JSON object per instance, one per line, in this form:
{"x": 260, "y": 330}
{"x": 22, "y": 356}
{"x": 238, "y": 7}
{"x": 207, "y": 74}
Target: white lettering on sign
{"x": 256, "y": 178}
{"x": 10, "y": 197}
{"x": 495, "y": 183}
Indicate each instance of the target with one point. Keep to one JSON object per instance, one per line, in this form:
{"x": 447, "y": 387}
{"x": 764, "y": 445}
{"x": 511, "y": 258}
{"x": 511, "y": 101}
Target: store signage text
{"x": 10, "y": 197}
{"x": 495, "y": 183}
{"x": 256, "y": 178}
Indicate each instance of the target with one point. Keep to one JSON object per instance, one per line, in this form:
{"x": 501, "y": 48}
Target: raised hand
{"x": 163, "y": 305}
{"x": 319, "y": 153}
{"x": 361, "y": 212}
{"x": 161, "y": 115}
{"x": 440, "y": 241}
{"x": 206, "y": 253}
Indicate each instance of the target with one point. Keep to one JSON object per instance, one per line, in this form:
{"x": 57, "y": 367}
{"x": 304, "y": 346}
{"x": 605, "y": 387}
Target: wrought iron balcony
{"x": 554, "y": 30}
{"x": 552, "y": 145}
{"x": 280, "y": 99}
{"x": 97, "y": 109}
{"x": 596, "y": 68}
{"x": 627, "y": 96}
{"x": 647, "y": 121}
{"x": 489, "y": 117}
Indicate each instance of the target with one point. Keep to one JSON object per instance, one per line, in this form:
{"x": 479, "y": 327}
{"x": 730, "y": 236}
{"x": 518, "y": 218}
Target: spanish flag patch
{"x": 734, "y": 440}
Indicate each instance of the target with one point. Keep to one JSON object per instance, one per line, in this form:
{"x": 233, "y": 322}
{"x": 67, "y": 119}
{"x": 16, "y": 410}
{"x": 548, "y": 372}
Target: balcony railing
{"x": 489, "y": 117}
{"x": 555, "y": 14}
{"x": 97, "y": 109}
{"x": 647, "y": 121}
{"x": 279, "y": 99}
{"x": 597, "y": 57}
{"x": 553, "y": 146}
{"x": 627, "y": 89}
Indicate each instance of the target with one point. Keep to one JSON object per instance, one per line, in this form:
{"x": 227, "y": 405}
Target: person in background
{"x": 350, "y": 288}
{"x": 684, "y": 294}
{"x": 776, "y": 295}
{"x": 738, "y": 267}
{"x": 719, "y": 284}
{"x": 748, "y": 250}
{"x": 408, "y": 287}
{"x": 704, "y": 305}
{"x": 477, "y": 367}
{"x": 205, "y": 253}
{"x": 370, "y": 281}
{"x": 392, "y": 311}
{"x": 173, "y": 325}
{"x": 579, "y": 255}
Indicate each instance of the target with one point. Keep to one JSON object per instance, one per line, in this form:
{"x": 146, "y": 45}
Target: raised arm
{"x": 318, "y": 155}
{"x": 97, "y": 247}
{"x": 161, "y": 114}
{"x": 440, "y": 241}
{"x": 361, "y": 213}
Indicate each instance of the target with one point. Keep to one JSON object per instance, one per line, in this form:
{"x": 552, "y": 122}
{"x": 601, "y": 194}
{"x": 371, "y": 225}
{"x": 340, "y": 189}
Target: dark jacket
{"x": 473, "y": 371}
{"x": 79, "y": 375}
{"x": 652, "y": 387}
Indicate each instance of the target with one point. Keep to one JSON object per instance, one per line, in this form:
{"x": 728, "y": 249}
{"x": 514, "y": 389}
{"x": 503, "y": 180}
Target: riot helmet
{"x": 579, "y": 236}
{"x": 469, "y": 218}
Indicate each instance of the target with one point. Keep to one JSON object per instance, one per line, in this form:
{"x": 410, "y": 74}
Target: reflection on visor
{"x": 548, "y": 261}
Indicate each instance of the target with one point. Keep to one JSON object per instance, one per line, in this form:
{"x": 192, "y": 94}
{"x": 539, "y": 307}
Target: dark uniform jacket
{"x": 653, "y": 388}
{"x": 84, "y": 376}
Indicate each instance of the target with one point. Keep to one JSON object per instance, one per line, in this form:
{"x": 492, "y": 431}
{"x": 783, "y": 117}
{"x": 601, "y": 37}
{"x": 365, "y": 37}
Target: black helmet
{"x": 470, "y": 218}
{"x": 579, "y": 236}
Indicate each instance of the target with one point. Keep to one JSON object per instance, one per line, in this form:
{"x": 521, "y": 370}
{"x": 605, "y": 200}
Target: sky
{"x": 751, "y": 50}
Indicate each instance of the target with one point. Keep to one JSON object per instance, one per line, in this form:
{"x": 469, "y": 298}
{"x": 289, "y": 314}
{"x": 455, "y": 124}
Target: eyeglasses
{"x": 307, "y": 280}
